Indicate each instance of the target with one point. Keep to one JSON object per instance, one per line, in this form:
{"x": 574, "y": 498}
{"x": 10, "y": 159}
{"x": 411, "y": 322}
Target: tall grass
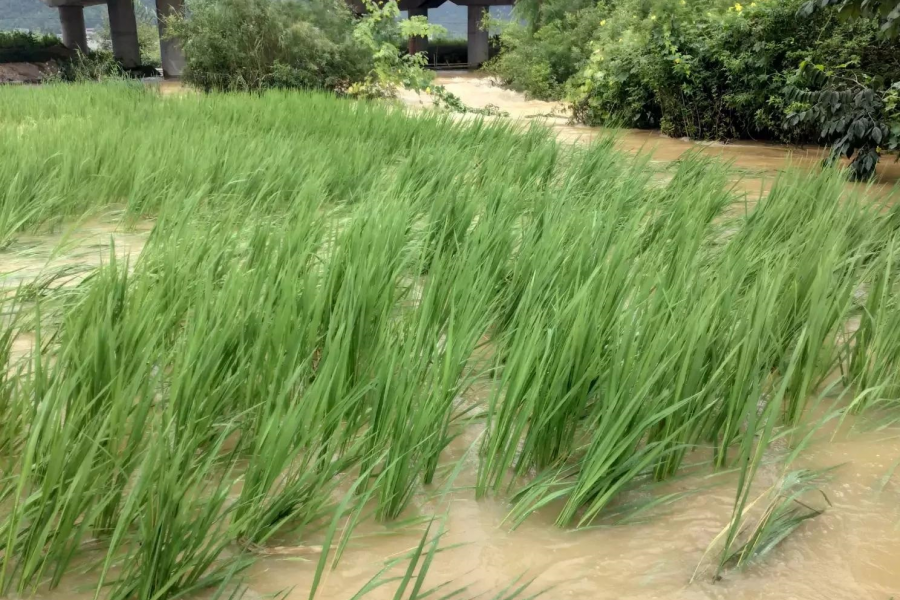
{"x": 297, "y": 343}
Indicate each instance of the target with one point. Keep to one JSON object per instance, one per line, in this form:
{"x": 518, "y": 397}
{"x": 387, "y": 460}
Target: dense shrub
{"x": 21, "y": 46}
{"x": 704, "y": 69}
{"x": 539, "y": 57}
{"x": 855, "y": 104}
{"x": 256, "y": 44}
{"x": 715, "y": 72}
{"x": 97, "y": 65}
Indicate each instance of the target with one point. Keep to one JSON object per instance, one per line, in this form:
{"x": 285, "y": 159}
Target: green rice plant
{"x": 334, "y": 291}
{"x": 231, "y": 147}
{"x": 178, "y": 507}
{"x": 785, "y": 510}
{"x": 11, "y": 412}
{"x": 874, "y": 349}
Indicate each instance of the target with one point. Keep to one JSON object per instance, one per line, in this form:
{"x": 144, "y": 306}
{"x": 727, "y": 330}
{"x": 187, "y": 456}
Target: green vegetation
{"x": 448, "y": 51}
{"x": 391, "y": 67}
{"x": 717, "y": 70}
{"x": 886, "y": 11}
{"x": 784, "y": 512}
{"x": 297, "y": 344}
{"x": 255, "y": 44}
{"x": 17, "y": 46}
{"x": 99, "y": 65}
{"x": 260, "y": 44}
{"x": 68, "y": 65}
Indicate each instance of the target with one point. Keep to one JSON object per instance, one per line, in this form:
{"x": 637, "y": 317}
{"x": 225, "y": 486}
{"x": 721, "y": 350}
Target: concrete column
{"x": 123, "y": 29}
{"x": 74, "y": 34}
{"x": 478, "y": 37}
{"x": 169, "y": 49}
{"x": 417, "y": 43}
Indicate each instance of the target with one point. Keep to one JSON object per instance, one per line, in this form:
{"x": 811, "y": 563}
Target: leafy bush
{"x": 539, "y": 59}
{"x": 99, "y": 65}
{"x": 377, "y": 32}
{"x": 22, "y": 46}
{"x": 858, "y": 118}
{"x": 713, "y": 70}
{"x": 257, "y": 44}
{"x": 886, "y": 11}
{"x": 857, "y": 110}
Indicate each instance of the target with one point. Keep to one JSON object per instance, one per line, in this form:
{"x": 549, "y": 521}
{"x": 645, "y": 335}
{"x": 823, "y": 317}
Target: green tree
{"x": 390, "y": 67}
{"x": 887, "y": 11}
{"x": 257, "y": 44}
{"x": 859, "y": 114}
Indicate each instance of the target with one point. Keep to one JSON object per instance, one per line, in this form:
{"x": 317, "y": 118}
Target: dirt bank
{"x": 23, "y": 72}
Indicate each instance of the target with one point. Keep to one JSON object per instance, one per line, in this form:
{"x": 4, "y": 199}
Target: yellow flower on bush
{"x": 677, "y": 61}
{"x": 428, "y": 90}
{"x": 683, "y": 2}
{"x": 738, "y": 7}
{"x": 652, "y": 17}
{"x": 603, "y": 22}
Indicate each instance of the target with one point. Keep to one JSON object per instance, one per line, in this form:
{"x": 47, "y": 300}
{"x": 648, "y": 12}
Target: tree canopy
{"x": 887, "y": 11}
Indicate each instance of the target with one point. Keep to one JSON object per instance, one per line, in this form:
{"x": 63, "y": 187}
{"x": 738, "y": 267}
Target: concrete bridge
{"x": 123, "y": 28}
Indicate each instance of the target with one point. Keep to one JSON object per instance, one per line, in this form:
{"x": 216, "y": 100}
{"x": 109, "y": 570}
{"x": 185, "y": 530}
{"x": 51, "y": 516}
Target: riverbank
{"x": 755, "y": 163}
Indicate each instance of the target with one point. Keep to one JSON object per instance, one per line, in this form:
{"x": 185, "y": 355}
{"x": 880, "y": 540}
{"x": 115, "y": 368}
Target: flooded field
{"x": 756, "y": 163}
{"x": 313, "y": 320}
{"x": 81, "y": 246}
{"x": 849, "y": 553}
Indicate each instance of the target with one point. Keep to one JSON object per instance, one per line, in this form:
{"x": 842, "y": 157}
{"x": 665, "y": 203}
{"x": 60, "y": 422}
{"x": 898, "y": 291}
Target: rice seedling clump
{"x": 333, "y": 291}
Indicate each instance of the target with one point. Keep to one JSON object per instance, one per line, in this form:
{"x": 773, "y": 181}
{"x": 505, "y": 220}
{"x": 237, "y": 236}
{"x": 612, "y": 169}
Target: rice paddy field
{"x": 252, "y": 340}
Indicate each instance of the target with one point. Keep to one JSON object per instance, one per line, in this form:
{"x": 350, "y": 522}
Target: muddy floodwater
{"x": 755, "y": 163}
{"x": 851, "y": 552}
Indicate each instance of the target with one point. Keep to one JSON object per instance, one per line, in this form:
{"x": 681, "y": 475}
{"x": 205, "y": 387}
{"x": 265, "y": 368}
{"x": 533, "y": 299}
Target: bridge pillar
{"x": 478, "y": 36}
{"x": 170, "y": 52}
{"x": 418, "y": 43}
{"x": 74, "y": 35}
{"x": 123, "y": 29}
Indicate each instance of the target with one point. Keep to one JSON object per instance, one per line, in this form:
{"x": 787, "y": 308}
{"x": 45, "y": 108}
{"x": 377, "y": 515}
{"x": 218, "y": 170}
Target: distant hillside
{"x": 36, "y": 16}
